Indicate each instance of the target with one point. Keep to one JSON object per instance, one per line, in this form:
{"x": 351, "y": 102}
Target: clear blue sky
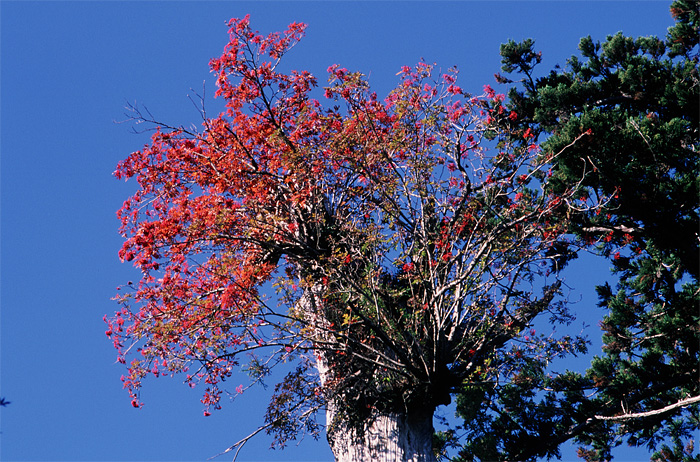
{"x": 68, "y": 69}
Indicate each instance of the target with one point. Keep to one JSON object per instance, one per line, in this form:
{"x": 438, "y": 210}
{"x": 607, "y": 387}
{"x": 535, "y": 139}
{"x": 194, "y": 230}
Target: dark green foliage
{"x": 622, "y": 121}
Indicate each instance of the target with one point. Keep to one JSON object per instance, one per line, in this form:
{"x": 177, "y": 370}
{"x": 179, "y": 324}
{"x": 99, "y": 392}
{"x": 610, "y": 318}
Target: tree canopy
{"x": 398, "y": 250}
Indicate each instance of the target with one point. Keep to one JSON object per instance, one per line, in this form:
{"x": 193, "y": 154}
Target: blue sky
{"x": 67, "y": 71}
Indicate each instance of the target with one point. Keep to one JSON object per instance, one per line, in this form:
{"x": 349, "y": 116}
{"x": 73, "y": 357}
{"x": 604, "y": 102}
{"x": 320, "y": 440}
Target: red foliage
{"x": 277, "y": 189}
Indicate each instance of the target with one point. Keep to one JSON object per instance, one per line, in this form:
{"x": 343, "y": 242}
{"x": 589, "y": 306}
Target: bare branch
{"x": 663, "y": 410}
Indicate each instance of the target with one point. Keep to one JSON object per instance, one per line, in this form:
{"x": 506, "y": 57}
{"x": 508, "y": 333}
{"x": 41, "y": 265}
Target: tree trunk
{"x": 388, "y": 438}
{"x": 391, "y": 437}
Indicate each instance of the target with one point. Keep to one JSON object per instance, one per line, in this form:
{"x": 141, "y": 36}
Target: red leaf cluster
{"x": 277, "y": 189}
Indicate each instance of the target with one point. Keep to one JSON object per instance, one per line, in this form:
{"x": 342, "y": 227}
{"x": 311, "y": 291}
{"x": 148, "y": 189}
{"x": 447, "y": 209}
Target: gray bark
{"x": 395, "y": 437}
{"x": 388, "y": 438}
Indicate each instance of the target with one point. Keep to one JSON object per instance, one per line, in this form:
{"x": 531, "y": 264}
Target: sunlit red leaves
{"x": 279, "y": 188}
{"x": 205, "y": 205}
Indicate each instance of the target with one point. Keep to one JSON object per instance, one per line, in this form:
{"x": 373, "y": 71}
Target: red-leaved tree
{"x": 410, "y": 240}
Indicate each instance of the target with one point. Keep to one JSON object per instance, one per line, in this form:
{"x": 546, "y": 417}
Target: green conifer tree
{"x": 622, "y": 120}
